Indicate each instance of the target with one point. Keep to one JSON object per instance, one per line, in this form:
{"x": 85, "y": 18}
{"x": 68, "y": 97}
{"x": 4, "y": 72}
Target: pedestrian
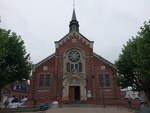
{"x": 130, "y": 102}
{"x": 6, "y": 102}
{"x": 142, "y": 101}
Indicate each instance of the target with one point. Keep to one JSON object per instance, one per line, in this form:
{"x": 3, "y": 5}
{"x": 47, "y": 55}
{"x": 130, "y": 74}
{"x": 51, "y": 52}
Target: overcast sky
{"x": 110, "y": 23}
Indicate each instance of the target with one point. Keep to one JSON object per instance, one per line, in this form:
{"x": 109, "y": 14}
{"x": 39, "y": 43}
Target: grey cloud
{"x": 110, "y": 23}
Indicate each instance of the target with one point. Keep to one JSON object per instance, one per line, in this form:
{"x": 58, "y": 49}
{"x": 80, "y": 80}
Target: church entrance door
{"x": 74, "y": 93}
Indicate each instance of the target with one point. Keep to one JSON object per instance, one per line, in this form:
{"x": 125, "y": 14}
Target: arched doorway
{"x": 74, "y": 93}
{"x": 74, "y": 88}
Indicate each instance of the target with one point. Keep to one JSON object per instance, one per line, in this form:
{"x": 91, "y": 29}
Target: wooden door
{"x": 71, "y": 93}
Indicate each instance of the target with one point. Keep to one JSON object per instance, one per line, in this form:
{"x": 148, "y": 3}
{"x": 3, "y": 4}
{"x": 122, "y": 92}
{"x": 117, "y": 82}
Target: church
{"x": 74, "y": 73}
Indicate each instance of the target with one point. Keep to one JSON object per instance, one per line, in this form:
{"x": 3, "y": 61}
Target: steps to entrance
{"x": 81, "y": 105}
{"x": 73, "y": 102}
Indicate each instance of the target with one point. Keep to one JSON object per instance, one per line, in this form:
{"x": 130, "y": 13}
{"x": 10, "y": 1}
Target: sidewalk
{"x": 88, "y": 110}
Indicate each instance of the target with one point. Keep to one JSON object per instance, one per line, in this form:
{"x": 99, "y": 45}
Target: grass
{"x": 21, "y": 109}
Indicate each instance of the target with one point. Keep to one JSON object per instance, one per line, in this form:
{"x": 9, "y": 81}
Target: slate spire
{"x": 74, "y": 25}
{"x": 74, "y": 15}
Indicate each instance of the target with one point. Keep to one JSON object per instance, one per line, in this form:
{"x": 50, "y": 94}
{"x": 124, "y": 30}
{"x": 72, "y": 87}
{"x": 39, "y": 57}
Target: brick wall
{"x": 92, "y": 69}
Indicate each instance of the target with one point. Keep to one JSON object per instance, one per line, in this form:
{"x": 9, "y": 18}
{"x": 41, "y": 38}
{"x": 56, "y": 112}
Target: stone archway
{"x": 73, "y": 85}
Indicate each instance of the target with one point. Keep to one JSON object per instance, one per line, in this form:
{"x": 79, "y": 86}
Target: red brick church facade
{"x": 74, "y": 73}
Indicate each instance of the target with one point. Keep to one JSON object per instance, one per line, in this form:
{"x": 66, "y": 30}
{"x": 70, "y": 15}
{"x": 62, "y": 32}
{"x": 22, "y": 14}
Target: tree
{"x": 15, "y": 64}
{"x": 133, "y": 65}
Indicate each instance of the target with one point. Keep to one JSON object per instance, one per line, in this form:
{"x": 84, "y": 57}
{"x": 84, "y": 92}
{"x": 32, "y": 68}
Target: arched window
{"x": 73, "y": 63}
{"x": 74, "y": 67}
{"x": 68, "y": 67}
{"x": 80, "y": 67}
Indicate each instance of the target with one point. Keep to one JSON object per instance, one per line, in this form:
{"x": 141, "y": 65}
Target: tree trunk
{"x": 0, "y": 94}
{"x": 147, "y": 95}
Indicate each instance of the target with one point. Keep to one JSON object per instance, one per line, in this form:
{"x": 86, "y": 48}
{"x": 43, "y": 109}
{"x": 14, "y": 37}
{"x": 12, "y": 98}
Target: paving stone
{"x": 145, "y": 110}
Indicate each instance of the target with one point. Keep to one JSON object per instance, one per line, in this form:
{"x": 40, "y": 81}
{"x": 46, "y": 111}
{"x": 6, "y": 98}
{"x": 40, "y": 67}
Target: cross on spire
{"x": 74, "y": 14}
{"x": 74, "y": 4}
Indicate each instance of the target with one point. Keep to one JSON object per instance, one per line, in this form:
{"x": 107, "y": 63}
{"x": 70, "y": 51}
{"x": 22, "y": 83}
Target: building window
{"x": 44, "y": 80}
{"x": 41, "y": 81}
{"x": 73, "y": 63}
{"x": 74, "y": 67}
{"x": 80, "y": 67}
{"x": 20, "y": 86}
{"x": 68, "y": 67}
{"x": 104, "y": 80}
{"x": 47, "y": 80}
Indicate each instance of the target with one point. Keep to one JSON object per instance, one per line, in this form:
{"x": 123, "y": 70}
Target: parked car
{"x": 45, "y": 106}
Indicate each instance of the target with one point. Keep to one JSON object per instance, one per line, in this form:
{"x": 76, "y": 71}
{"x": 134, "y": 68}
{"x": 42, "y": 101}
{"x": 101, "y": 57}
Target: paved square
{"x": 109, "y": 109}
{"x": 89, "y": 110}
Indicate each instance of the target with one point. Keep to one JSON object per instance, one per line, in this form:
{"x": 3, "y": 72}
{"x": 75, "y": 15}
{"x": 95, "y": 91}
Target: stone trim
{"x": 43, "y": 61}
{"x": 104, "y": 60}
{"x": 69, "y": 35}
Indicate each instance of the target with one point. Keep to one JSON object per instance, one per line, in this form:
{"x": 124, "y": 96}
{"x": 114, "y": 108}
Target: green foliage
{"x": 134, "y": 61}
{"x": 14, "y": 61}
{"x": 133, "y": 64}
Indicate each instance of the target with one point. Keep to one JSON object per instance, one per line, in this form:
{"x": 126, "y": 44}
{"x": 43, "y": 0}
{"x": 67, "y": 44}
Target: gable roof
{"x": 104, "y": 60}
{"x": 67, "y": 36}
{"x": 44, "y": 60}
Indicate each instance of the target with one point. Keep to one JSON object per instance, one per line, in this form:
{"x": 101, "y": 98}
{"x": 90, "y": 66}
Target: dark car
{"x": 45, "y": 106}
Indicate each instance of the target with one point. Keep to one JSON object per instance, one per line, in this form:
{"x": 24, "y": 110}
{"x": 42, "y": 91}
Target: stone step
{"x": 74, "y": 102}
{"x": 82, "y": 105}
